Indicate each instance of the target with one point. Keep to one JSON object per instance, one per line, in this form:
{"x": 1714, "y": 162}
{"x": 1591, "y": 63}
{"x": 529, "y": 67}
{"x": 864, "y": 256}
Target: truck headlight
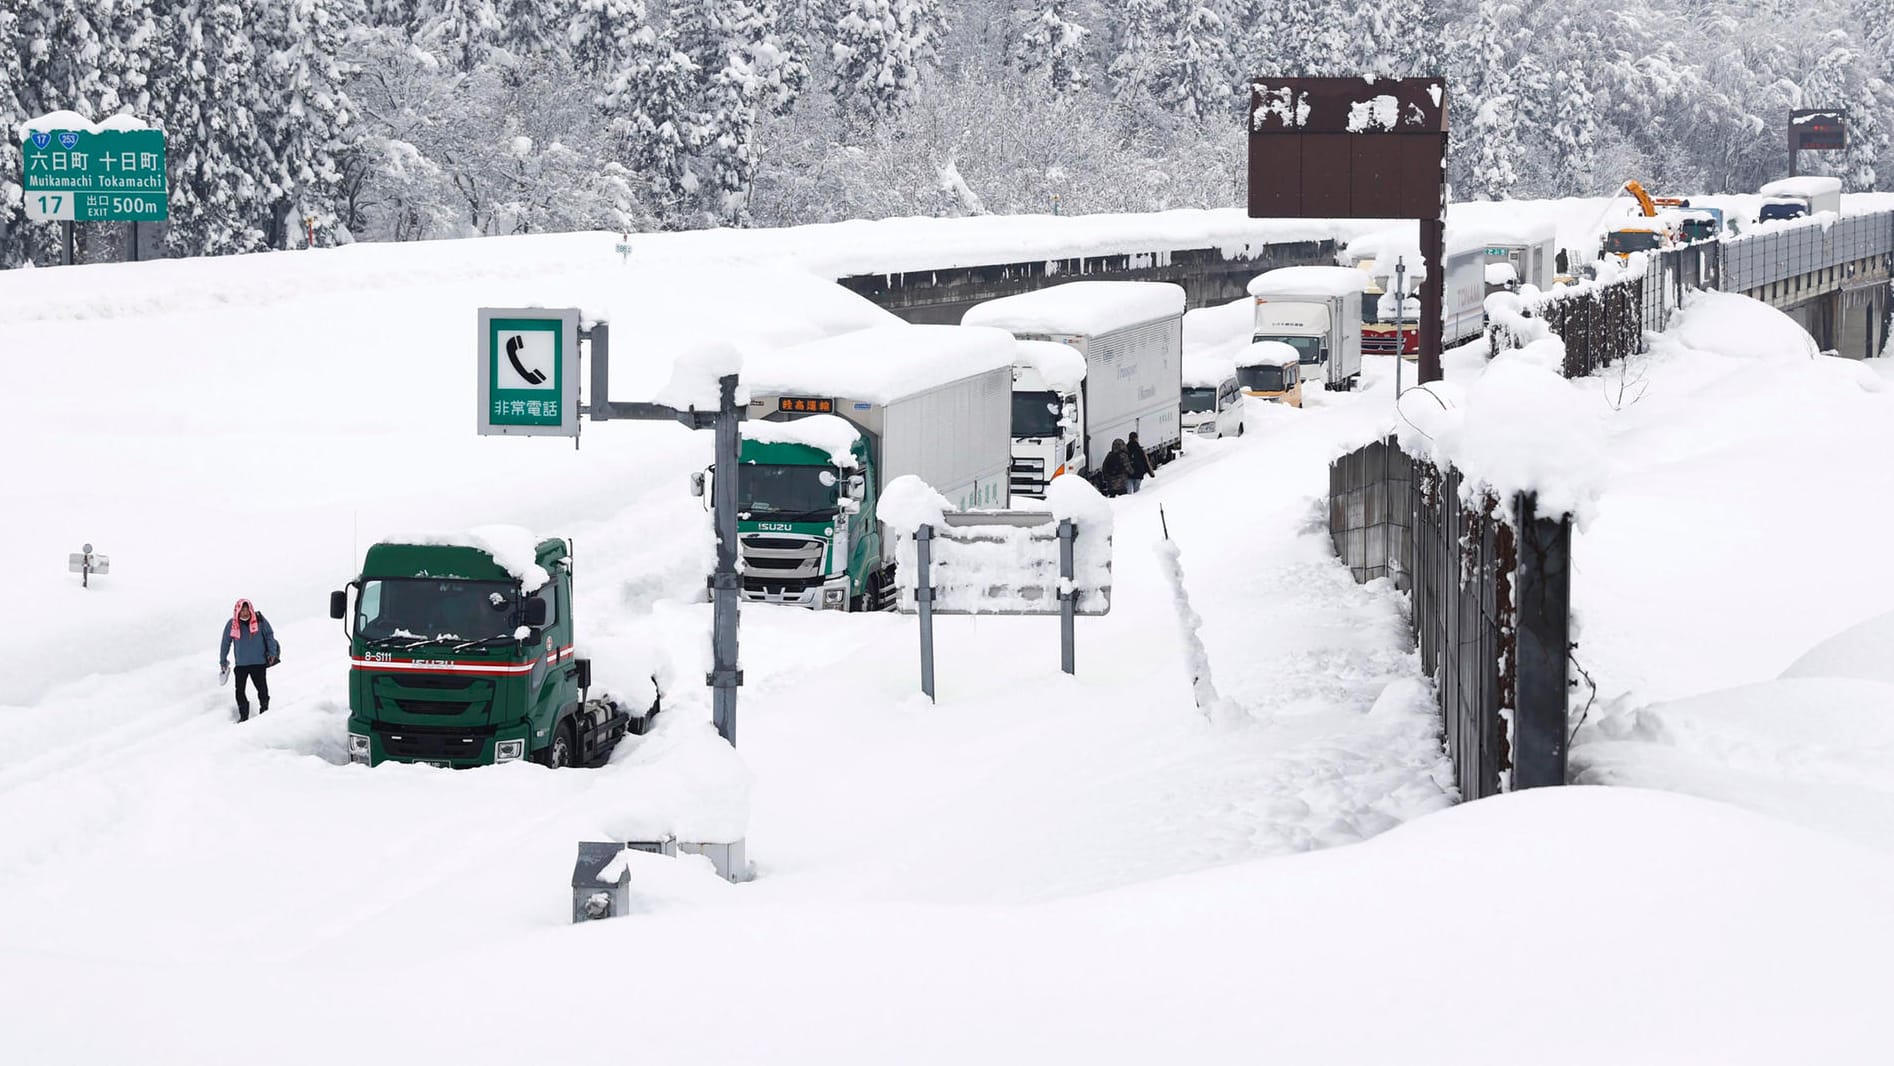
{"x": 358, "y": 747}
{"x": 833, "y": 597}
{"x": 508, "y": 750}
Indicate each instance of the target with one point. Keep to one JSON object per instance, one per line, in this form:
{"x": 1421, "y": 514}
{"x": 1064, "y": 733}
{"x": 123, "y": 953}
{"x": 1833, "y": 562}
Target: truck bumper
{"x": 832, "y": 594}
{"x": 454, "y": 748}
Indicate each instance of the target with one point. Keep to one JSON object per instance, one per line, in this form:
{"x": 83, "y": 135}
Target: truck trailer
{"x": 1317, "y": 311}
{"x": 461, "y": 653}
{"x": 831, "y": 422}
{"x": 1131, "y": 337}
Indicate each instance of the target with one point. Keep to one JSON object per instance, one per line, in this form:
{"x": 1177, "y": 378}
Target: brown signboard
{"x": 1347, "y": 147}
{"x": 1818, "y": 130}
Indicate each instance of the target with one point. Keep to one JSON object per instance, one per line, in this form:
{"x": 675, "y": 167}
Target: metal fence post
{"x": 725, "y": 583}
{"x": 1068, "y": 597}
{"x": 924, "y": 603}
{"x": 1542, "y": 592}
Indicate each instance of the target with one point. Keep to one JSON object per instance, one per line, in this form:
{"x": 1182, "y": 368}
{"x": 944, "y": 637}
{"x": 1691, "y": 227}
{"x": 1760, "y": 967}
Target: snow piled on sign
{"x": 908, "y": 503}
{"x": 1286, "y": 282}
{"x": 825, "y": 433}
{"x": 512, "y": 548}
{"x": 1373, "y": 116}
{"x": 54, "y": 121}
{"x": 1090, "y": 308}
{"x": 880, "y": 365}
{"x": 1060, "y": 367}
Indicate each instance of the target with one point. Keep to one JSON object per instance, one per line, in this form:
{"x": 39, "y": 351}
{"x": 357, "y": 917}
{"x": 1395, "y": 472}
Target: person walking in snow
{"x": 1114, "y": 470}
{"x": 1137, "y": 464}
{"x": 257, "y": 651}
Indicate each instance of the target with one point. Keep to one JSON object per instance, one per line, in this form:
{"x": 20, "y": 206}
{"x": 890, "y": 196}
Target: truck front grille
{"x": 433, "y": 706}
{"x": 783, "y": 558}
{"x": 1027, "y": 476}
{"x": 410, "y": 742}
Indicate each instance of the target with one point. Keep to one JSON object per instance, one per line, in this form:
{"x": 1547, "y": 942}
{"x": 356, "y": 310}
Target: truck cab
{"x": 1271, "y": 371}
{"x": 1048, "y": 409}
{"x": 806, "y": 522}
{"x": 459, "y": 659}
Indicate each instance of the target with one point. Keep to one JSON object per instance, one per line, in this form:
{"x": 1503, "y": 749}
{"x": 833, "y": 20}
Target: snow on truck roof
{"x": 1087, "y": 307}
{"x": 1310, "y": 281}
{"x": 1803, "y": 187}
{"x": 513, "y": 549}
{"x": 1207, "y": 371}
{"x": 881, "y": 364}
{"x": 1268, "y": 353}
{"x": 1060, "y": 366}
{"x": 827, "y": 433}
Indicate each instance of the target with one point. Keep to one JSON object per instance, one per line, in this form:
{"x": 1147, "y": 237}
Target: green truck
{"x": 461, "y": 654}
{"x": 832, "y": 422}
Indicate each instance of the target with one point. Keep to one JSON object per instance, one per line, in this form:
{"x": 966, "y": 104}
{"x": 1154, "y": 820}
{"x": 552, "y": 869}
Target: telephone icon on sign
{"x": 513, "y": 346}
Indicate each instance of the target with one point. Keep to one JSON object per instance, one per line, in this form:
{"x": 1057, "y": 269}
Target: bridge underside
{"x": 1209, "y": 276}
{"x": 1851, "y": 321}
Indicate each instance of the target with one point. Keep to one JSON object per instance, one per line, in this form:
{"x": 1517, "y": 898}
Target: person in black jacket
{"x": 1114, "y": 470}
{"x": 257, "y": 651}
{"x": 1137, "y": 464}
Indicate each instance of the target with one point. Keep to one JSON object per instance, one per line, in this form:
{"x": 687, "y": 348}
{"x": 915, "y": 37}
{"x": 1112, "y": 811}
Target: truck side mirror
{"x": 697, "y": 482}
{"x": 585, "y": 673}
{"x": 338, "y": 604}
{"x": 536, "y": 612}
{"x": 857, "y": 488}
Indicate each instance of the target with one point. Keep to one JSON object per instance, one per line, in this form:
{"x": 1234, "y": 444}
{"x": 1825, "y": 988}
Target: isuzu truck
{"x": 831, "y": 422}
{"x": 462, "y": 653}
{"x": 1131, "y": 336}
{"x": 1317, "y": 311}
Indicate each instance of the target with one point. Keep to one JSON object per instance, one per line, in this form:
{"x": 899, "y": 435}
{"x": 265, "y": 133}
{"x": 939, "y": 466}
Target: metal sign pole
{"x": 1433, "y": 291}
{"x": 924, "y": 602}
{"x": 1068, "y": 597}
{"x": 1400, "y": 321}
{"x": 725, "y": 583}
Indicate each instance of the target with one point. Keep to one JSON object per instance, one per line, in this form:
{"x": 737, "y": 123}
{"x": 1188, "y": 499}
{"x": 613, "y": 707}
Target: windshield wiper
{"x": 793, "y": 516}
{"x": 480, "y": 643}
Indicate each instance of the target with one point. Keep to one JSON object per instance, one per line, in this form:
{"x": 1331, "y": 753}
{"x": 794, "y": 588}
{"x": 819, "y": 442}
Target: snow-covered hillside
{"x": 1037, "y": 868}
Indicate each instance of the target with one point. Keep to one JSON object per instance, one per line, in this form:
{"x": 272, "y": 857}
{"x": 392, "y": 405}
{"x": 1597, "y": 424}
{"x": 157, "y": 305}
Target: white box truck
{"x": 1131, "y": 335}
{"x": 832, "y": 422}
{"x": 1815, "y": 193}
{"x": 1317, "y": 311}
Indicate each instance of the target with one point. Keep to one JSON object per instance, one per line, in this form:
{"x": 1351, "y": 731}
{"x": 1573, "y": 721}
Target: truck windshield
{"x": 1632, "y": 241}
{"x": 1262, "y": 378}
{"x": 1199, "y": 400}
{"x": 423, "y": 610}
{"x": 1308, "y": 349}
{"x": 1036, "y": 414}
{"x": 788, "y": 493}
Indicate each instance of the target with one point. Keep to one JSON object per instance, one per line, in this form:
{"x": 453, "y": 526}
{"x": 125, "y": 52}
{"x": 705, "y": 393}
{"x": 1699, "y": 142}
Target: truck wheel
{"x": 558, "y": 754}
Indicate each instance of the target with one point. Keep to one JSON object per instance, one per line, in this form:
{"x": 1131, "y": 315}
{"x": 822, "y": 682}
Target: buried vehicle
{"x": 461, "y": 654}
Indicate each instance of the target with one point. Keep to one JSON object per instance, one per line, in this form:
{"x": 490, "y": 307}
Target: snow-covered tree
{"x": 653, "y": 122}
{"x": 1146, "y": 31}
{"x": 1200, "y": 79}
{"x": 307, "y": 129}
{"x": 462, "y": 33}
{"x": 600, "y": 33}
{"x": 208, "y": 98}
{"x": 880, "y": 50}
{"x": 1049, "y": 42}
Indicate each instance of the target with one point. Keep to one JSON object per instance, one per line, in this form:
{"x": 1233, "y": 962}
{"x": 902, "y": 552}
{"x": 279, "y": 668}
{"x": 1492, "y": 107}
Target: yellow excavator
{"x": 1627, "y": 239}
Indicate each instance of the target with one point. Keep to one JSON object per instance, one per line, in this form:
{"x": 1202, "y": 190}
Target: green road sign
{"x": 103, "y": 176}
{"x": 529, "y": 371}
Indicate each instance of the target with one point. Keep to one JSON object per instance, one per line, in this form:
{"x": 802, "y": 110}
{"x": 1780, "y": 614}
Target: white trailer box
{"x": 1317, "y": 311}
{"x": 934, "y": 401}
{"x": 1131, "y": 334}
{"x": 1819, "y": 193}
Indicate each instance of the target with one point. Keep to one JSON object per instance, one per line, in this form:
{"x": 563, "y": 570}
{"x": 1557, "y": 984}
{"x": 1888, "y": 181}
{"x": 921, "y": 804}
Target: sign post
{"x": 85, "y": 564}
{"x": 1357, "y": 148}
